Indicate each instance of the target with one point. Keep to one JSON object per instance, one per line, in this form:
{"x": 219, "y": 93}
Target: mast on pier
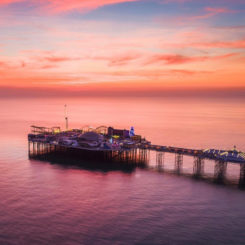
{"x": 66, "y": 118}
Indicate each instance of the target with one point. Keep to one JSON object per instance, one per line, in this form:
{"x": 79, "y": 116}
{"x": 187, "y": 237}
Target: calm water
{"x": 44, "y": 203}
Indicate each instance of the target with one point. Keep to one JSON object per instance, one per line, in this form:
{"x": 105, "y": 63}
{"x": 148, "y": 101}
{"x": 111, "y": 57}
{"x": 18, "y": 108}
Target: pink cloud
{"x": 46, "y": 59}
{"x": 232, "y": 28}
{"x": 239, "y": 44}
{"x": 211, "y": 1}
{"x": 117, "y": 59}
{"x": 48, "y": 66}
{"x": 149, "y": 59}
{"x": 5, "y": 2}
{"x": 56, "y": 59}
{"x": 58, "y": 6}
{"x": 175, "y": 59}
{"x": 152, "y": 73}
{"x": 35, "y": 59}
{"x": 85, "y": 5}
{"x": 219, "y": 10}
{"x": 176, "y": 1}
{"x": 123, "y": 59}
{"x": 171, "y": 59}
{"x": 209, "y": 12}
{"x": 236, "y": 44}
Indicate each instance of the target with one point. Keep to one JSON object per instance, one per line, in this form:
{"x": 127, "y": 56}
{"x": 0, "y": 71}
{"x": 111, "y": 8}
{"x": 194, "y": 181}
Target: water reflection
{"x": 217, "y": 178}
{"x": 73, "y": 162}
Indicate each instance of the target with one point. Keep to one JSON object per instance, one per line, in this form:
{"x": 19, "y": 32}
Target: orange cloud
{"x": 3, "y": 64}
{"x": 56, "y": 59}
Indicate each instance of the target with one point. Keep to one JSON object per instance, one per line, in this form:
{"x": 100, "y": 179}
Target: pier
{"x": 122, "y": 147}
{"x": 132, "y": 156}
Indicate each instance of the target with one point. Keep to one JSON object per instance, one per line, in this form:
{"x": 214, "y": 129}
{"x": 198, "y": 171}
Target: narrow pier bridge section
{"x": 233, "y": 156}
{"x": 221, "y": 160}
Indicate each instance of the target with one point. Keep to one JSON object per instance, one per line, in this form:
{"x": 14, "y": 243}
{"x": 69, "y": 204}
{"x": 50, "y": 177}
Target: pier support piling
{"x": 198, "y": 167}
{"x": 160, "y": 160}
{"x": 178, "y": 162}
{"x": 220, "y": 171}
{"x": 242, "y": 175}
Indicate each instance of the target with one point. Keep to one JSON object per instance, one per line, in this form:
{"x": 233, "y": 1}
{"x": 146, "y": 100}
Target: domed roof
{"x": 91, "y": 136}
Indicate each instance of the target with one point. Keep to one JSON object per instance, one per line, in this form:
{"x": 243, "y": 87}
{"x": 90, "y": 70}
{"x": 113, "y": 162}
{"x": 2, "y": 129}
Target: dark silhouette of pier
{"x": 132, "y": 156}
{"x": 115, "y": 147}
{"x": 137, "y": 156}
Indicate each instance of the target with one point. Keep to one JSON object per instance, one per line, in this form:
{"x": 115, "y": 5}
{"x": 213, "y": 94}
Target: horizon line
{"x": 30, "y": 92}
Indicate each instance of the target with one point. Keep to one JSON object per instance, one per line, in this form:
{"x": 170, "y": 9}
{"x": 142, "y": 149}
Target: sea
{"x": 42, "y": 202}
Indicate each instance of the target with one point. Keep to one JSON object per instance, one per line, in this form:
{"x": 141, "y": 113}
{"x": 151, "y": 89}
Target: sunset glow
{"x": 120, "y": 45}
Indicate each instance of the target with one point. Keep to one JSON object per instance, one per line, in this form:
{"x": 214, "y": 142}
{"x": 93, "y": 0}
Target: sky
{"x": 120, "y": 46}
